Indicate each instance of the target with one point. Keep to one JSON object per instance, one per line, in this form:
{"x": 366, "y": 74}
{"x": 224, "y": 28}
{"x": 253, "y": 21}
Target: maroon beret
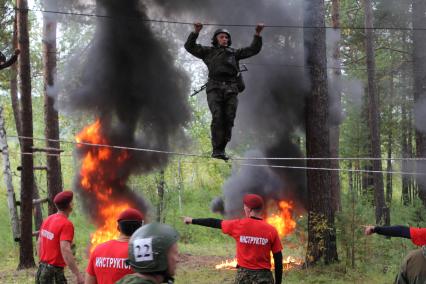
{"x": 130, "y": 214}
{"x": 63, "y": 197}
{"x": 253, "y": 201}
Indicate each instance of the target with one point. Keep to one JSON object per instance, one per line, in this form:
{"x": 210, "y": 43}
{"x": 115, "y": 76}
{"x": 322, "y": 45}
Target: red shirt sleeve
{"x": 276, "y": 243}
{"x": 67, "y": 233}
{"x": 228, "y": 227}
{"x": 90, "y": 266}
{"x": 418, "y": 236}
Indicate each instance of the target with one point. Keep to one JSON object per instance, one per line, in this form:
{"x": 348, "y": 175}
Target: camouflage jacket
{"x": 133, "y": 279}
{"x": 222, "y": 62}
{"x": 413, "y": 268}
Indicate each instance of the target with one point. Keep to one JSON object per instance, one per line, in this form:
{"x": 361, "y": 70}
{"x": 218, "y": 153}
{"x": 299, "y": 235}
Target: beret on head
{"x": 253, "y": 201}
{"x": 130, "y": 214}
{"x": 63, "y": 197}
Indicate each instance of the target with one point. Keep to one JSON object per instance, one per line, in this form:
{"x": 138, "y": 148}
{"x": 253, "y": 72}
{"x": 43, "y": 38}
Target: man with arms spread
{"x": 107, "y": 262}
{"x": 153, "y": 254}
{"x": 54, "y": 244}
{"x": 222, "y": 87}
{"x": 255, "y": 240}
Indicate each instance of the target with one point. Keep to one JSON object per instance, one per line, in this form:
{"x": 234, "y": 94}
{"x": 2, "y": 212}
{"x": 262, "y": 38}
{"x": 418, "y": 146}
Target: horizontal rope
{"x": 218, "y": 24}
{"x": 208, "y": 157}
{"x": 274, "y": 166}
{"x": 333, "y": 169}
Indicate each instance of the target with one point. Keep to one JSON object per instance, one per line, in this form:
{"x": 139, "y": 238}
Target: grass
{"x": 376, "y": 259}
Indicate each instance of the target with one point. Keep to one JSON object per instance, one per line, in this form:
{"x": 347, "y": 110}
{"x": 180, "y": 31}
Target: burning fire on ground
{"x": 285, "y": 224}
{"x": 98, "y": 175}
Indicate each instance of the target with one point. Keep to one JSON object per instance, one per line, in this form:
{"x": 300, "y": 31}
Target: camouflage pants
{"x": 48, "y": 274}
{"x": 223, "y": 101}
{"x": 248, "y": 276}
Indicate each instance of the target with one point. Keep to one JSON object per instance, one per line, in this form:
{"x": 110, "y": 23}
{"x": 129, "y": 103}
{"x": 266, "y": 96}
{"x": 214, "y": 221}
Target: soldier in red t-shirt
{"x": 107, "y": 263}
{"x": 54, "y": 244}
{"x": 255, "y": 241}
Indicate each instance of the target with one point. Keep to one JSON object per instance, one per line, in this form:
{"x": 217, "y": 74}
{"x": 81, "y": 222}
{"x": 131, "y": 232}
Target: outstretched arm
{"x": 191, "y": 45}
{"x": 391, "y": 231}
{"x": 254, "y": 48}
{"x": 206, "y": 222}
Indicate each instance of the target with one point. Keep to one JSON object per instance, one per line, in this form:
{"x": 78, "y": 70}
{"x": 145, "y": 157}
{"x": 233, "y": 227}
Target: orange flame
{"x": 288, "y": 263}
{"x": 283, "y": 222}
{"x": 95, "y": 176}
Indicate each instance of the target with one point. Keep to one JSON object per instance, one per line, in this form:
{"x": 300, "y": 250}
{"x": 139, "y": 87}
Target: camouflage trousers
{"x": 223, "y": 101}
{"x": 49, "y": 274}
{"x": 248, "y": 276}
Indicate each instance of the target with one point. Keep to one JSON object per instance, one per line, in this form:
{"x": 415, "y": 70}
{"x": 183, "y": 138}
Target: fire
{"x": 96, "y": 175}
{"x": 283, "y": 222}
{"x": 288, "y": 263}
{"x": 285, "y": 225}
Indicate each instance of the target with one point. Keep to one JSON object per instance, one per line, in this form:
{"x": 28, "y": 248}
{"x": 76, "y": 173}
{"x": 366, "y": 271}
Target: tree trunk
{"x": 321, "y": 230}
{"x": 404, "y": 150}
{"x": 14, "y": 86}
{"x": 373, "y": 111}
{"x": 419, "y": 66}
{"x": 160, "y": 192}
{"x": 389, "y": 176}
{"x": 7, "y": 174}
{"x": 51, "y": 119}
{"x": 337, "y": 113}
{"x": 26, "y": 257}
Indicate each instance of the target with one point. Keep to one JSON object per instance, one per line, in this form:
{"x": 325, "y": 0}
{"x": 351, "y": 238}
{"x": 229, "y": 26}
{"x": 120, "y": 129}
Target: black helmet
{"x": 221, "y": 31}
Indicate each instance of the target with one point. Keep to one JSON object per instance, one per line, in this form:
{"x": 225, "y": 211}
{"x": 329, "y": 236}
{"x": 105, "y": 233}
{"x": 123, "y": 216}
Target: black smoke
{"x": 271, "y": 110}
{"x": 129, "y": 81}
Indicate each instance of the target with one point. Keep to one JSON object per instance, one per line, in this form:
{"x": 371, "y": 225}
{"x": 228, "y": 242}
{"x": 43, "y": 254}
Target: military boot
{"x": 220, "y": 154}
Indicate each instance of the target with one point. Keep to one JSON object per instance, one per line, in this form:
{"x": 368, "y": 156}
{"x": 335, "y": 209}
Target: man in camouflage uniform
{"x": 222, "y": 87}
{"x": 153, "y": 254}
{"x": 413, "y": 268}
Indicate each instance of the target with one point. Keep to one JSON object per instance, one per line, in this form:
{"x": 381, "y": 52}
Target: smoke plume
{"x": 271, "y": 109}
{"x": 128, "y": 81}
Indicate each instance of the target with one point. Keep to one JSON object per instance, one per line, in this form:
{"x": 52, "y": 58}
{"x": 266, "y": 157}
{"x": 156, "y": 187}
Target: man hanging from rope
{"x": 224, "y": 82}
{"x": 4, "y": 63}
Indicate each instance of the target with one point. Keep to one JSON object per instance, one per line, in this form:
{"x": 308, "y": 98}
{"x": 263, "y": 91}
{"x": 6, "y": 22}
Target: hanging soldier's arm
{"x": 254, "y": 48}
{"x": 70, "y": 260}
{"x": 278, "y": 261}
{"x": 206, "y": 222}
{"x": 191, "y": 45}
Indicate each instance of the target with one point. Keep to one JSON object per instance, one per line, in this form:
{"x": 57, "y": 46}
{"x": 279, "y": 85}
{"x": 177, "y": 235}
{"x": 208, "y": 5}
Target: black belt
{"x": 249, "y": 269}
{"x": 220, "y": 81}
{"x": 50, "y": 265}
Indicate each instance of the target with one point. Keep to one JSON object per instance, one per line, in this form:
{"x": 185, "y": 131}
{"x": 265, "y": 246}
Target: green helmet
{"x": 149, "y": 246}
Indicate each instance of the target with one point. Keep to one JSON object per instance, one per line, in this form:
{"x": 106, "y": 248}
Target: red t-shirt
{"x": 255, "y": 240}
{"x": 418, "y": 236}
{"x": 55, "y": 228}
{"x": 107, "y": 262}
